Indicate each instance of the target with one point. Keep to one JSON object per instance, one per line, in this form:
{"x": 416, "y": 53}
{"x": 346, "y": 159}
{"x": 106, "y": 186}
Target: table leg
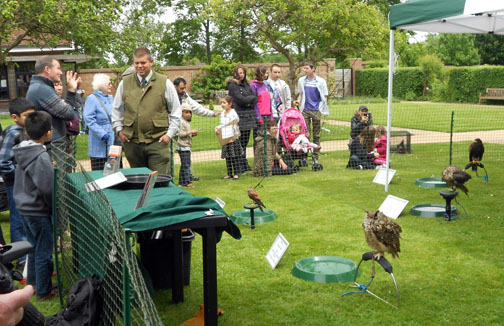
{"x": 210, "y": 276}
{"x": 177, "y": 268}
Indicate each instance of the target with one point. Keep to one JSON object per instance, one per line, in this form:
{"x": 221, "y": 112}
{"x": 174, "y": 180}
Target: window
{"x": 4, "y": 87}
{"x": 24, "y": 73}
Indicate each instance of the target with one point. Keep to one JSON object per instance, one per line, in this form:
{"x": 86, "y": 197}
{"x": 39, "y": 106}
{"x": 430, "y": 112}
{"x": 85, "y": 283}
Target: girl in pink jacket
{"x": 381, "y": 145}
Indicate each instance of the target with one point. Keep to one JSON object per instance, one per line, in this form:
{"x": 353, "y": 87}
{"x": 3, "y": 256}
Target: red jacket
{"x": 381, "y": 147}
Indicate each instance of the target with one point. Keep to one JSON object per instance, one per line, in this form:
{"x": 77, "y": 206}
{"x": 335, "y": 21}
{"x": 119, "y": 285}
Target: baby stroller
{"x": 288, "y": 118}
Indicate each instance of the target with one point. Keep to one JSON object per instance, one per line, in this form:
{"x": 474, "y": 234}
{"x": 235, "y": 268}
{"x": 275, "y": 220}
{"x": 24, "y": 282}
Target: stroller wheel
{"x": 303, "y": 163}
{"x": 317, "y": 167}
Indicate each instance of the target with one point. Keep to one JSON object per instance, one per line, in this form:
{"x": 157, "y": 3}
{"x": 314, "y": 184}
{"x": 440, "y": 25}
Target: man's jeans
{"x": 40, "y": 263}
{"x": 17, "y": 231}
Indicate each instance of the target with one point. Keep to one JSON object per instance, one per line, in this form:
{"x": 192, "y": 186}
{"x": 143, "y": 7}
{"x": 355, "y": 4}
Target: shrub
{"x": 213, "y": 76}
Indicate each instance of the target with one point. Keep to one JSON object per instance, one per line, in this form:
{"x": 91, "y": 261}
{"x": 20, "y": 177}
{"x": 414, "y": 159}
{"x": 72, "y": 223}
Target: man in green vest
{"x": 146, "y": 115}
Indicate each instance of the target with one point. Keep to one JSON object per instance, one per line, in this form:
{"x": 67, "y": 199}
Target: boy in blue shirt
{"x": 19, "y": 108}
{"x": 33, "y": 196}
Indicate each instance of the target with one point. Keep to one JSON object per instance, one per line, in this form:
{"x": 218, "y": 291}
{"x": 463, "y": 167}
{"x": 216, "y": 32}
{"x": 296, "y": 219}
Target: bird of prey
{"x": 255, "y": 198}
{"x": 476, "y": 151}
{"x": 382, "y": 234}
{"x": 455, "y": 178}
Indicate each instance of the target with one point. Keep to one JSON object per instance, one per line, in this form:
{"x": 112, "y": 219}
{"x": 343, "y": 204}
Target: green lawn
{"x": 448, "y": 273}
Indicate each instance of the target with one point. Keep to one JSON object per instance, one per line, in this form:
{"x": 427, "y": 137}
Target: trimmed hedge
{"x": 465, "y": 84}
{"x": 462, "y": 84}
{"x": 374, "y": 82}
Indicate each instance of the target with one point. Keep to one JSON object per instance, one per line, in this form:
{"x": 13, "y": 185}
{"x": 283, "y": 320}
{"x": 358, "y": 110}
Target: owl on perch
{"x": 382, "y": 234}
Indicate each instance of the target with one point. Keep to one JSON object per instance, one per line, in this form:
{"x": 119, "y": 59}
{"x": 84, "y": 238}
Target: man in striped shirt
{"x": 312, "y": 102}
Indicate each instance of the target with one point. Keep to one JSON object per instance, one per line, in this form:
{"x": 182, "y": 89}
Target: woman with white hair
{"x": 97, "y": 113}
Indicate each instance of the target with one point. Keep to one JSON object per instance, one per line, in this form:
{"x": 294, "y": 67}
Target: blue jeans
{"x": 185, "y": 168}
{"x": 40, "y": 262}
{"x": 17, "y": 231}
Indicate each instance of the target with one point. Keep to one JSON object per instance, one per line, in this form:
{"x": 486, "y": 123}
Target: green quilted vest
{"x": 146, "y": 116}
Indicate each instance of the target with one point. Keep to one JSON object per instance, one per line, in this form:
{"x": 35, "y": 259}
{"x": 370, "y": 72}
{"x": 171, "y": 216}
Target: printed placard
{"x": 105, "y": 182}
{"x": 392, "y": 206}
{"x": 382, "y": 175}
{"x": 220, "y": 202}
{"x": 277, "y": 250}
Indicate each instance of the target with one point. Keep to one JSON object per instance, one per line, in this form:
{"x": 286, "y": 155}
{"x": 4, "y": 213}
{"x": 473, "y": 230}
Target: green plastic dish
{"x": 243, "y": 216}
{"x": 431, "y": 210}
{"x": 430, "y": 183}
{"x": 325, "y": 269}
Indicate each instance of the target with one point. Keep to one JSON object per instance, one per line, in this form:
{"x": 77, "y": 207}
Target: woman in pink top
{"x": 260, "y": 88}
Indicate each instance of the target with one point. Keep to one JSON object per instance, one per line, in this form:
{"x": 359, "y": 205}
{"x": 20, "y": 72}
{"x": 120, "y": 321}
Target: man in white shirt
{"x": 279, "y": 92}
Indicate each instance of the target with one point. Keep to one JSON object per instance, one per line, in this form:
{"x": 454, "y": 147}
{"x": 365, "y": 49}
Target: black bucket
{"x": 156, "y": 256}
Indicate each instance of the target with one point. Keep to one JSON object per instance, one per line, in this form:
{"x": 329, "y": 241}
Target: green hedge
{"x": 465, "y": 84}
{"x": 374, "y": 82}
{"x": 461, "y": 84}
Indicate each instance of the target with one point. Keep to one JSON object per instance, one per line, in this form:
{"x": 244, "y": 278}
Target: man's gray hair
{"x": 42, "y": 62}
{"x": 100, "y": 81}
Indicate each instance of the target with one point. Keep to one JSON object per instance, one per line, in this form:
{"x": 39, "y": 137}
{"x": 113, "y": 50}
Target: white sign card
{"x": 220, "y": 202}
{"x": 277, "y": 250}
{"x": 392, "y": 206}
{"x": 382, "y": 175}
{"x": 105, "y": 182}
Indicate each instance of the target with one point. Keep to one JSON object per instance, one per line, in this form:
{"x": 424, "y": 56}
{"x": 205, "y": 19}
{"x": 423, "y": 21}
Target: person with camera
{"x": 12, "y": 303}
{"x": 361, "y": 119}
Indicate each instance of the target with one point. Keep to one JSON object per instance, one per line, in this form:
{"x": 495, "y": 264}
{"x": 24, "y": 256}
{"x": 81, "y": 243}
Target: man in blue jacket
{"x": 42, "y": 93}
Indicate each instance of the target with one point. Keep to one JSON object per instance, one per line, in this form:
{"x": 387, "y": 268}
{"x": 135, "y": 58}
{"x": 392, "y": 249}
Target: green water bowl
{"x": 431, "y": 210}
{"x": 430, "y": 183}
{"x": 243, "y": 216}
{"x": 325, "y": 269}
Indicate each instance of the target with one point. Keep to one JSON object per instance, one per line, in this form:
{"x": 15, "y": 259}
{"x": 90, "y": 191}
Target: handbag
{"x": 117, "y": 139}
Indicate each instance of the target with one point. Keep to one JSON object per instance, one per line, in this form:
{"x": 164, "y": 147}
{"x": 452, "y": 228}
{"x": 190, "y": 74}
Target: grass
{"x": 448, "y": 273}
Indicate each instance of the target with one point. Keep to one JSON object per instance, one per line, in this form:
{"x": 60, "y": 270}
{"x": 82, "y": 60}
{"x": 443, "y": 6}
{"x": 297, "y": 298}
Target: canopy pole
{"x": 389, "y": 108}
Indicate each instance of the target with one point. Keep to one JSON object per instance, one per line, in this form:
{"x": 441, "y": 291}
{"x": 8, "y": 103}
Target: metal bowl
{"x": 137, "y": 181}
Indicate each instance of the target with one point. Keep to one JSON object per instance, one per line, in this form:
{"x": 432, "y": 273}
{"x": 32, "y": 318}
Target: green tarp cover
{"x": 167, "y": 205}
{"x": 419, "y": 11}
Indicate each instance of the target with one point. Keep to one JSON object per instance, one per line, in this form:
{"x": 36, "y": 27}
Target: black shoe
{"x": 51, "y": 295}
{"x": 248, "y": 168}
{"x": 193, "y": 178}
{"x": 303, "y": 163}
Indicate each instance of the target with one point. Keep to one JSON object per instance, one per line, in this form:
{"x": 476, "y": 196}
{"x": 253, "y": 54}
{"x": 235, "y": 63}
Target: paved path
{"x": 417, "y": 137}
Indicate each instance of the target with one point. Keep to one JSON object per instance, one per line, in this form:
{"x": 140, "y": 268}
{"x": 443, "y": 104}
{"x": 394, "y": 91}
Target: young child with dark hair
{"x": 33, "y": 196}
{"x": 228, "y": 130}
{"x": 19, "y": 108}
{"x": 270, "y": 141}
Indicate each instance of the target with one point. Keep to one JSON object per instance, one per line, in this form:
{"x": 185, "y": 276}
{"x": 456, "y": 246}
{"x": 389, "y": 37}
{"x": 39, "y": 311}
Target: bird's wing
{"x": 388, "y": 233}
{"x": 460, "y": 177}
{"x": 471, "y": 151}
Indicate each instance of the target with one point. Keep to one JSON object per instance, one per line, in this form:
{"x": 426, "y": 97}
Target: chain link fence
{"x": 89, "y": 240}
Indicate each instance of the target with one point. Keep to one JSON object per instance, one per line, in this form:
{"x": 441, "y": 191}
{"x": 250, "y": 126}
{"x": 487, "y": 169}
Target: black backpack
{"x": 84, "y": 305}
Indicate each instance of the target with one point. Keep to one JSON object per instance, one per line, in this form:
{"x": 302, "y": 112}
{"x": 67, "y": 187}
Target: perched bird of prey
{"x": 255, "y": 198}
{"x": 382, "y": 234}
{"x": 455, "y": 178}
{"x": 476, "y": 151}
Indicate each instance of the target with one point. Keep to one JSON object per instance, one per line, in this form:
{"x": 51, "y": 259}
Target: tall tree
{"x": 87, "y": 24}
{"x": 490, "y": 48}
{"x": 454, "y": 49}
{"x": 311, "y": 30}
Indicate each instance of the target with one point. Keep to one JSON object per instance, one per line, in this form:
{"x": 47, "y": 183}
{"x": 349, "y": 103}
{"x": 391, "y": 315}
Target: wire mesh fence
{"x": 90, "y": 241}
{"x": 415, "y": 126}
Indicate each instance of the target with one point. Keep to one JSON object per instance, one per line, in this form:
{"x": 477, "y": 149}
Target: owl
{"x": 382, "y": 234}
{"x": 455, "y": 178}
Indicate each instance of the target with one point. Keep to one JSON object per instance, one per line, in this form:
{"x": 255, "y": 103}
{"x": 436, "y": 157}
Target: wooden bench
{"x": 492, "y": 94}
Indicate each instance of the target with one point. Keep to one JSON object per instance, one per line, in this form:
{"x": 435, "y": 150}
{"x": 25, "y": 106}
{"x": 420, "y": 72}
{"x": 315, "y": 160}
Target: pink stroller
{"x": 289, "y": 117}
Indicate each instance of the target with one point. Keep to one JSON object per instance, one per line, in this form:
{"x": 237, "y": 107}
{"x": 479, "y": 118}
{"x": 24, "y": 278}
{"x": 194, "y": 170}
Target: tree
{"x": 307, "y": 30}
{"x": 454, "y": 49}
{"x": 490, "y": 48}
{"x": 87, "y": 24}
{"x": 432, "y": 69}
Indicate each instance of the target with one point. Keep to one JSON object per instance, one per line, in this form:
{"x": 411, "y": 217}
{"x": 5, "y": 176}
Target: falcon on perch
{"x": 382, "y": 234}
{"x": 476, "y": 151}
{"x": 255, "y": 198}
{"x": 455, "y": 178}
